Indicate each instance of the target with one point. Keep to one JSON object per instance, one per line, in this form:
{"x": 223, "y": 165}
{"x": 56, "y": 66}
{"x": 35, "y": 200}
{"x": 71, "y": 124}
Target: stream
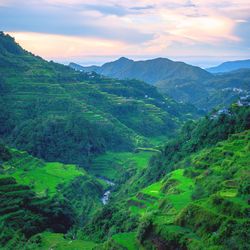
{"x": 106, "y": 195}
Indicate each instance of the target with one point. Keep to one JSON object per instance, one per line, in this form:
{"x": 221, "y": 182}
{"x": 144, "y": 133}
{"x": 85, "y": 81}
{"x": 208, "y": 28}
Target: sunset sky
{"x": 204, "y": 32}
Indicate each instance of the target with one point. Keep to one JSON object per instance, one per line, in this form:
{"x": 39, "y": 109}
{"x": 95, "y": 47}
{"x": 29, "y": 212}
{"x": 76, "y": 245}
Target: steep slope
{"x": 62, "y": 115}
{"x": 37, "y": 196}
{"x": 195, "y": 136}
{"x": 23, "y": 214}
{"x": 230, "y": 66}
{"x": 192, "y": 195}
{"x": 204, "y": 205}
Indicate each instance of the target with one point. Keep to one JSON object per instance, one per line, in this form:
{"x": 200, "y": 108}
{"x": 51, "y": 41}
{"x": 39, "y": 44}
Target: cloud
{"x": 139, "y": 28}
{"x": 63, "y": 47}
{"x": 108, "y": 9}
{"x": 69, "y": 22}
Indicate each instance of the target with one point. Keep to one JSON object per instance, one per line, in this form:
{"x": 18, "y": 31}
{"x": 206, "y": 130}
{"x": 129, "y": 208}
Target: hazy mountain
{"x": 181, "y": 81}
{"x": 230, "y": 66}
{"x": 151, "y": 71}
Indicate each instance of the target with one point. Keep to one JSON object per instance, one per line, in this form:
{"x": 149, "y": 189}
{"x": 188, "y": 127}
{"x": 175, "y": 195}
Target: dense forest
{"x": 91, "y": 162}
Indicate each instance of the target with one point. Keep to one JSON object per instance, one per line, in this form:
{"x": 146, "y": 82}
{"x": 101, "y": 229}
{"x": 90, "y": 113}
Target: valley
{"x": 98, "y": 163}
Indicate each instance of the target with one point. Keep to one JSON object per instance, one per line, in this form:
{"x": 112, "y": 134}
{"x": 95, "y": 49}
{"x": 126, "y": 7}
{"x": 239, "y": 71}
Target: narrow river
{"x": 106, "y": 195}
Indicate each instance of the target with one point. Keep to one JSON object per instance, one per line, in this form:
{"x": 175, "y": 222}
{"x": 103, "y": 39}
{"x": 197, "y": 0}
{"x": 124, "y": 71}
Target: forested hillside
{"x": 59, "y": 114}
{"x": 90, "y": 162}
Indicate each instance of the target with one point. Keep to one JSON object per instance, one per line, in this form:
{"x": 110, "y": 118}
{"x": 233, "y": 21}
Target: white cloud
{"x": 155, "y": 27}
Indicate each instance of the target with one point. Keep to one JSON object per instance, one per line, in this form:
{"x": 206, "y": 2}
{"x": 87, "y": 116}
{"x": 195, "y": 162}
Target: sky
{"x": 199, "y": 32}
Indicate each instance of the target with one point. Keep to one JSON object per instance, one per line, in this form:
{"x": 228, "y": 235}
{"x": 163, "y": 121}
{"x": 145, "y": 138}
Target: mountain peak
{"x": 124, "y": 59}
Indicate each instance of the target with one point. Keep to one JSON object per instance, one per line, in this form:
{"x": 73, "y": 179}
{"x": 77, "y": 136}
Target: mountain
{"x": 183, "y": 82}
{"x": 226, "y": 88}
{"x": 60, "y": 114}
{"x": 230, "y": 66}
{"x": 172, "y": 78}
{"x": 150, "y": 71}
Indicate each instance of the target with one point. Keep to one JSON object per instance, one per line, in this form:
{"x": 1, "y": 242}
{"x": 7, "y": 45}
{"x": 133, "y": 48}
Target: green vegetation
{"x": 195, "y": 136}
{"x": 48, "y": 240}
{"x": 113, "y": 165}
{"x": 58, "y": 114}
{"x": 183, "y": 82}
{"x": 38, "y": 195}
{"x": 178, "y": 183}
{"x": 127, "y": 240}
{"x": 203, "y": 201}
{"x": 195, "y": 202}
{"x": 42, "y": 176}
{"x": 23, "y": 214}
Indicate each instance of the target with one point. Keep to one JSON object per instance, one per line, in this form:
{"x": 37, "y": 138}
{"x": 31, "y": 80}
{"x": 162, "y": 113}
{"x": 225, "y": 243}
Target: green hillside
{"x": 44, "y": 177}
{"x": 38, "y": 196}
{"x": 204, "y": 205}
{"x": 74, "y": 116}
{"x": 89, "y": 162}
{"x": 194, "y": 196}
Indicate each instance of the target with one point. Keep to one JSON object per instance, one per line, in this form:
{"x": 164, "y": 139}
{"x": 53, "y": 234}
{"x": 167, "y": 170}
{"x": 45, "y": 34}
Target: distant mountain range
{"x": 170, "y": 77}
{"x": 151, "y": 71}
{"x": 230, "y": 66}
{"x": 181, "y": 81}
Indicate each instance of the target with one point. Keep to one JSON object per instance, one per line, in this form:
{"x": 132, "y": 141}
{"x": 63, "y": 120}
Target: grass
{"x": 184, "y": 189}
{"x": 226, "y": 162}
{"x": 179, "y": 198}
{"x": 154, "y": 190}
{"x": 42, "y": 177}
{"x": 57, "y": 241}
{"x": 113, "y": 164}
{"x": 127, "y": 240}
{"x": 147, "y": 199}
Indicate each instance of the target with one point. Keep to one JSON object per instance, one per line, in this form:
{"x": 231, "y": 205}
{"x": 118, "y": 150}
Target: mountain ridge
{"x": 183, "y": 82}
{"x": 229, "y": 66}
{"x": 166, "y": 67}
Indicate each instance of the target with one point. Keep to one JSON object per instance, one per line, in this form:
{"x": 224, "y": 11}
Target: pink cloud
{"x": 164, "y": 27}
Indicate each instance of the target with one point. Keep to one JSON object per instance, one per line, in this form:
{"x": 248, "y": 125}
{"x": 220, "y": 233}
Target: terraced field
{"x": 57, "y": 241}
{"x": 43, "y": 177}
{"x": 188, "y": 201}
{"x": 126, "y": 240}
{"x": 112, "y": 165}
{"x": 176, "y": 192}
